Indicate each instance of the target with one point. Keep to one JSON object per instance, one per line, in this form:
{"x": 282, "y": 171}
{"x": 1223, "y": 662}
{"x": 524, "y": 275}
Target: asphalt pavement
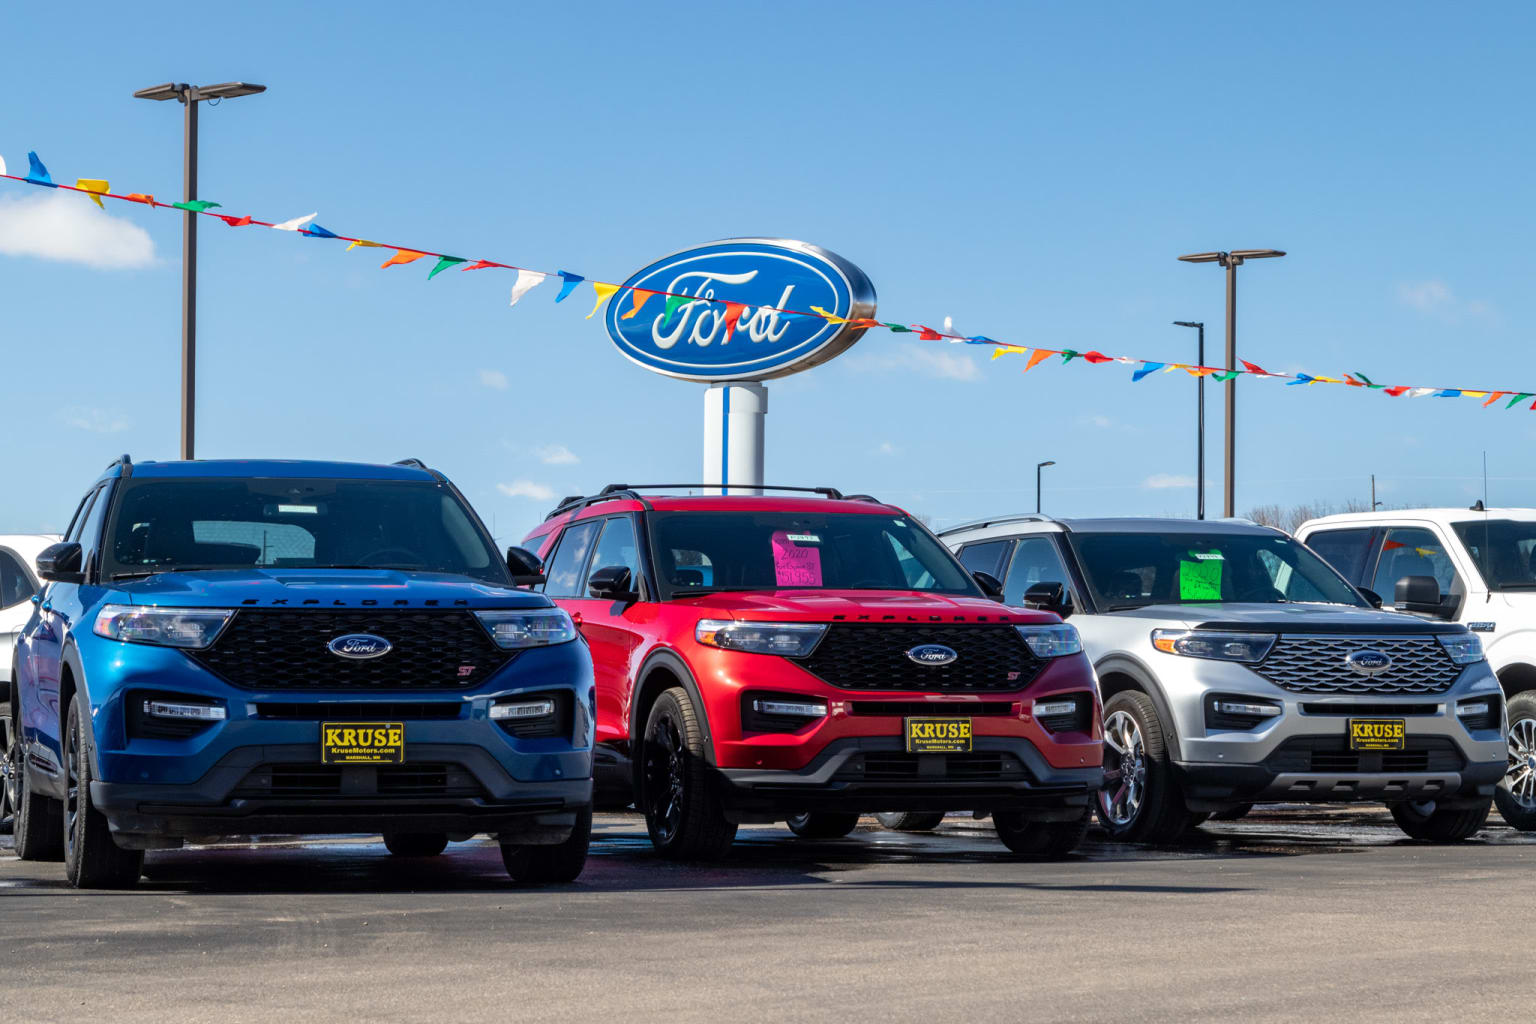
{"x": 1285, "y": 915}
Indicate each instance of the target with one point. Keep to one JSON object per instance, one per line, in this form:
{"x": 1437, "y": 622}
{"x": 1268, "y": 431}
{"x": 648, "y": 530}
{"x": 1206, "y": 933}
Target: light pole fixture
{"x": 190, "y": 96}
{"x": 1199, "y": 420}
{"x": 1038, "y": 467}
{"x": 1231, "y": 261}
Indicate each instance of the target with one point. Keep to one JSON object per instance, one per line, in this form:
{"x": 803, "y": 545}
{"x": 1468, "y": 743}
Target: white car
{"x": 18, "y": 582}
{"x": 1473, "y": 566}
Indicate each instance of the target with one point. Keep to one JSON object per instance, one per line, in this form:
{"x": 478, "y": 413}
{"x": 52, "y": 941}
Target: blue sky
{"x": 1030, "y": 170}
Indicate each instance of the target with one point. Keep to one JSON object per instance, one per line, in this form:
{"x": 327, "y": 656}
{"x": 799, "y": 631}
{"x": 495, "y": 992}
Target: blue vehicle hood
{"x": 333, "y": 588}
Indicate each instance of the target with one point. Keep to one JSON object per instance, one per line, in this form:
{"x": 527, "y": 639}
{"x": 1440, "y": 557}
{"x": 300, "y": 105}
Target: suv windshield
{"x": 1132, "y": 570}
{"x": 1503, "y": 550}
{"x": 708, "y": 551}
{"x": 171, "y": 525}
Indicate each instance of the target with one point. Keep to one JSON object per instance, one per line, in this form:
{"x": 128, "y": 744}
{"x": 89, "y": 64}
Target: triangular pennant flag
{"x": 402, "y": 256}
{"x": 1175, "y": 366}
{"x": 364, "y": 243}
{"x": 1037, "y": 357}
{"x": 733, "y": 311}
{"x": 1448, "y": 393}
{"x": 1146, "y": 368}
{"x": 140, "y": 197}
{"x": 1517, "y": 400}
{"x": 832, "y": 317}
{"x": 927, "y": 333}
{"x": 239, "y": 222}
{"x": 1396, "y": 391}
{"x": 1254, "y": 368}
{"x": 604, "y": 293}
{"x": 1098, "y": 357}
{"x": 899, "y": 328}
{"x": 1301, "y": 378}
{"x": 1225, "y": 375}
{"x": 673, "y": 301}
{"x": 316, "y": 231}
{"x": 196, "y": 205}
{"x": 864, "y": 323}
{"x": 638, "y": 297}
{"x": 1008, "y": 350}
{"x": 2, "y": 165}
{"x": 1494, "y": 398}
{"x": 298, "y": 222}
{"x": 1474, "y": 394}
{"x": 1368, "y": 382}
{"x": 443, "y": 263}
{"x": 1420, "y": 392}
{"x": 1198, "y": 371}
{"x": 480, "y": 265}
{"x": 979, "y": 339}
{"x": 1067, "y": 355}
{"x": 37, "y": 174}
{"x": 569, "y": 281}
{"x": 1328, "y": 380}
{"x": 95, "y": 186}
{"x": 526, "y": 281}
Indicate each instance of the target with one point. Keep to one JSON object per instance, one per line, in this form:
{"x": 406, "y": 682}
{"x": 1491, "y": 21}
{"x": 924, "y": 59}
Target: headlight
{"x": 791, "y": 639}
{"x": 1206, "y": 643}
{"x": 168, "y": 627}
{"x": 536, "y": 627}
{"x": 1051, "y": 641}
{"x": 1464, "y": 648}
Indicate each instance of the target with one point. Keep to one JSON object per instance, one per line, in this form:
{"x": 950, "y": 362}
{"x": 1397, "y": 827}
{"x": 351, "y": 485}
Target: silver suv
{"x": 1238, "y": 668}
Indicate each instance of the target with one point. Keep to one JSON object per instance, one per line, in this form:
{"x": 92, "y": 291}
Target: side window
{"x": 1413, "y": 551}
{"x": 1345, "y": 550}
{"x": 987, "y": 557}
{"x": 567, "y": 569}
{"x": 82, "y": 512}
{"x": 90, "y": 534}
{"x": 616, "y": 547}
{"x": 15, "y": 585}
{"x": 1036, "y": 561}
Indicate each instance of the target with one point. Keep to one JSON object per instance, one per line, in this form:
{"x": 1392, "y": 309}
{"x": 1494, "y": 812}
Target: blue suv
{"x": 241, "y": 648}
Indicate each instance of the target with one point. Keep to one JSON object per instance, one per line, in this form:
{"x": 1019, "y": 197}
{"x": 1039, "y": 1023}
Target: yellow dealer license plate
{"x": 362, "y": 743}
{"x": 1377, "y": 733}
{"x": 938, "y": 735}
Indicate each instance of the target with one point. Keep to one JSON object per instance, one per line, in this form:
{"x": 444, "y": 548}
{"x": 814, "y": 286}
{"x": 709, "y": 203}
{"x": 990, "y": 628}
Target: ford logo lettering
{"x": 1368, "y": 663}
{"x": 932, "y": 654}
{"x": 360, "y": 646}
{"x": 764, "y": 275}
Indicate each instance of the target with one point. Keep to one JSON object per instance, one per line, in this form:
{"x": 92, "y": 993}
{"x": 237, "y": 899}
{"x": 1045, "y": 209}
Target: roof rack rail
{"x": 124, "y": 460}
{"x": 413, "y": 463}
{"x": 977, "y": 524}
{"x": 830, "y": 492}
{"x": 580, "y": 501}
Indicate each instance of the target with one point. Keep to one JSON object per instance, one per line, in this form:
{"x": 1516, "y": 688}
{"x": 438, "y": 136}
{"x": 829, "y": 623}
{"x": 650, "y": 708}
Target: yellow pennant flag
{"x": 1008, "y": 350}
{"x": 93, "y": 185}
{"x": 604, "y": 293}
{"x": 1474, "y": 394}
{"x": 370, "y": 245}
{"x": 640, "y": 297}
{"x": 828, "y": 316}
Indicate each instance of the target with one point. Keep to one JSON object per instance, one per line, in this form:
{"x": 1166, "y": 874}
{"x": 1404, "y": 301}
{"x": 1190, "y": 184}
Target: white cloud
{"x": 1102, "y": 422}
{"x": 68, "y": 227}
{"x": 556, "y": 455}
{"x": 493, "y": 379}
{"x": 527, "y": 489}
{"x": 1425, "y": 295}
{"x": 887, "y": 448}
{"x": 97, "y": 421}
{"x": 933, "y": 362}
{"x": 1163, "y": 481}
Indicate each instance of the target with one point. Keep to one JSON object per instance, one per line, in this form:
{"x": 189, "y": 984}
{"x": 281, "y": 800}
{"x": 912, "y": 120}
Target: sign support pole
{"x": 733, "y": 437}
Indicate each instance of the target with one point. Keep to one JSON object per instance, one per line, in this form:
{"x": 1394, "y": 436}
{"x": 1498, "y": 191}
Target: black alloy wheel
{"x": 678, "y": 789}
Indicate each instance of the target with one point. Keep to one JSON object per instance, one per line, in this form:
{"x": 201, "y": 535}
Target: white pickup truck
{"x": 1473, "y": 566}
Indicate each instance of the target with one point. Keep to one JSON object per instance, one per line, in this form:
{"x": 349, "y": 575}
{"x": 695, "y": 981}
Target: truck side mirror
{"x": 1371, "y": 596}
{"x": 1418, "y": 594}
{"x": 526, "y": 569}
{"x": 1049, "y": 597}
{"x": 989, "y": 584}
{"x": 60, "y": 563}
{"x": 613, "y": 583}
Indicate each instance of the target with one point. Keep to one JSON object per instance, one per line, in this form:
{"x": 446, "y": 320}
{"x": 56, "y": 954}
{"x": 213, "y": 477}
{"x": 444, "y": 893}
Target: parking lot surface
{"x": 1287, "y": 914}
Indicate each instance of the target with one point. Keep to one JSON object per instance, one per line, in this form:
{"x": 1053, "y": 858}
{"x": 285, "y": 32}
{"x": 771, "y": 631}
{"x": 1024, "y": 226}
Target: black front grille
{"x": 282, "y": 649}
{"x": 1330, "y": 755}
{"x": 353, "y": 781}
{"x": 894, "y": 766}
{"x": 931, "y": 709}
{"x": 355, "y": 711}
{"x": 871, "y": 656}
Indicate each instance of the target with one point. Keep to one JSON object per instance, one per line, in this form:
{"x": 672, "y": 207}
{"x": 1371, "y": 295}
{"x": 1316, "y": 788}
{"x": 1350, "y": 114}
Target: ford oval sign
{"x": 360, "y": 646}
{"x": 766, "y": 276}
{"x": 1368, "y": 663}
{"x": 932, "y": 654}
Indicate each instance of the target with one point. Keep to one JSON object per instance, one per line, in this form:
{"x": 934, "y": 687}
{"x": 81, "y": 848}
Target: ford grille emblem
{"x": 932, "y": 654}
{"x": 360, "y": 646}
{"x": 1368, "y": 663}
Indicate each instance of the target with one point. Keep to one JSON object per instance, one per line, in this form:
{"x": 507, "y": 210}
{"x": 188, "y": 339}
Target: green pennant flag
{"x": 1067, "y": 355}
{"x": 195, "y": 205}
{"x": 1368, "y": 382}
{"x": 1225, "y": 375}
{"x": 673, "y": 301}
{"x": 1516, "y": 400}
{"x": 443, "y": 263}
{"x": 899, "y": 329}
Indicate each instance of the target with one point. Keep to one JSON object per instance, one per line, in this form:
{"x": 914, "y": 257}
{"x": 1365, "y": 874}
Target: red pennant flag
{"x": 639, "y": 299}
{"x": 1037, "y": 357}
{"x": 401, "y": 256}
{"x": 1494, "y": 398}
{"x": 733, "y": 311}
{"x": 928, "y": 333}
{"x": 1401, "y": 389}
{"x": 234, "y": 222}
{"x": 1255, "y": 368}
{"x": 1098, "y": 357}
{"x": 480, "y": 265}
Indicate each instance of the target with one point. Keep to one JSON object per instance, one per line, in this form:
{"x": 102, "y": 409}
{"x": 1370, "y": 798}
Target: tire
{"x": 38, "y": 820}
{"x": 9, "y": 764}
{"x": 1040, "y": 840}
{"x": 1516, "y": 794}
{"x": 822, "y": 824}
{"x": 683, "y": 812}
{"x": 1145, "y": 805}
{"x": 910, "y": 821}
{"x": 415, "y": 844}
{"x": 92, "y": 860}
{"x": 1423, "y": 821}
{"x": 1232, "y": 813}
{"x": 548, "y": 865}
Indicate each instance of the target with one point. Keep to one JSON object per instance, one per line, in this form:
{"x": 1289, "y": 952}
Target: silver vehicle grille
{"x": 1315, "y": 664}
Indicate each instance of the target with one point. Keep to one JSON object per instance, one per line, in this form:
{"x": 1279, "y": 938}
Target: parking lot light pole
{"x": 1199, "y": 421}
{"x": 190, "y": 96}
{"x": 1038, "y": 467}
{"x": 1231, "y": 261}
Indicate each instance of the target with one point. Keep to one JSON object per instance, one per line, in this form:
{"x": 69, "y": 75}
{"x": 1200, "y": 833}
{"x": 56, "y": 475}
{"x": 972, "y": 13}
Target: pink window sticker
{"x": 796, "y": 559}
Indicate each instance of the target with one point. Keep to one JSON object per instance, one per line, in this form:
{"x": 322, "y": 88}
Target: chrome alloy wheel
{"x": 10, "y": 771}
{"x": 1520, "y": 781}
{"x": 1125, "y": 770}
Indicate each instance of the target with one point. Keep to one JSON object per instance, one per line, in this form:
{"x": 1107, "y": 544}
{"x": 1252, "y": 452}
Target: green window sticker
{"x": 1200, "y": 577}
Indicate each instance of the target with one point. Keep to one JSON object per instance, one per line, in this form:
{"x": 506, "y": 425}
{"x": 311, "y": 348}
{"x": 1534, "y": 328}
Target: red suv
{"x": 810, "y": 658}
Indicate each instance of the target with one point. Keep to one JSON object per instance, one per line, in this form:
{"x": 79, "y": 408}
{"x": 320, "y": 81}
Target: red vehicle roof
{"x": 721, "y": 503}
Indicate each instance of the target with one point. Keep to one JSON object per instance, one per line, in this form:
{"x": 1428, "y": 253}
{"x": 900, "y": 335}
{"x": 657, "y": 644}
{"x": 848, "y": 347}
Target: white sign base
{"x": 733, "y": 437}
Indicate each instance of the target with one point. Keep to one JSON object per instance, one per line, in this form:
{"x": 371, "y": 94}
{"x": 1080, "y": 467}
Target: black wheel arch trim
{"x": 1146, "y": 681}
{"x": 671, "y": 662}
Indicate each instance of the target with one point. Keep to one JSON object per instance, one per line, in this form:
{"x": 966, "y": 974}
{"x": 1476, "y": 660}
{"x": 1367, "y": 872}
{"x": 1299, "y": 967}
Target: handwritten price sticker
{"x": 795, "y": 563}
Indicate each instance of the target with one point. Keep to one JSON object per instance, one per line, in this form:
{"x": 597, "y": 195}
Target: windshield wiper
{"x": 1128, "y": 607}
{"x": 690, "y": 591}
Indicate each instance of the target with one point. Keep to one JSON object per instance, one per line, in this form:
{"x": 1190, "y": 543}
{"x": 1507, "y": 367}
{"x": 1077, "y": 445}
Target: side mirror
{"x": 1418, "y": 594}
{"x": 1371, "y": 596}
{"x": 526, "y": 569}
{"x": 613, "y": 583}
{"x": 1049, "y": 597}
{"x": 60, "y": 563}
{"x": 989, "y": 584}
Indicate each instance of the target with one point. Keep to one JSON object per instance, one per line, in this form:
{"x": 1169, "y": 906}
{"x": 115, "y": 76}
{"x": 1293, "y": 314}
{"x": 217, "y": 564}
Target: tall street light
{"x": 1231, "y": 261}
{"x": 190, "y": 96}
{"x": 1199, "y": 421}
{"x": 1038, "y": 467}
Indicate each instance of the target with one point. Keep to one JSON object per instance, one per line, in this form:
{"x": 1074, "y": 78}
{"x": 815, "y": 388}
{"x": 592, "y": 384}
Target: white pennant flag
{"x": 1420, "y": 392}
{"x": 295, "y": 224}
{"x": 527, "y": 280}
{"x": 2, "y": 165}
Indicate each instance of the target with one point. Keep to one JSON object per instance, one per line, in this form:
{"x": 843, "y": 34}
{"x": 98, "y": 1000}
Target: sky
{"x": 1029, "y": 170}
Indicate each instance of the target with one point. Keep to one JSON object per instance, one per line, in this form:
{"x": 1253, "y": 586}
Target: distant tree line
{"x": 1288, "y": 518}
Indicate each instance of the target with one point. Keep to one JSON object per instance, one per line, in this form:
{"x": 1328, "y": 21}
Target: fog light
{"x": 1055, "y": 707}
{"x": 790, "y": 708}
{"x": 522, "y": 710}
{"x": 184, "y": 712}
{"x": 1472, "y": 709}
{"x": 1228, "y": 707}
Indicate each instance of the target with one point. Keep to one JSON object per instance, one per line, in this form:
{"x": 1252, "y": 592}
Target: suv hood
{"x": 861, "y": 606}
{"x": 1287, "y": 618}
{"x": 333, "y": 588}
